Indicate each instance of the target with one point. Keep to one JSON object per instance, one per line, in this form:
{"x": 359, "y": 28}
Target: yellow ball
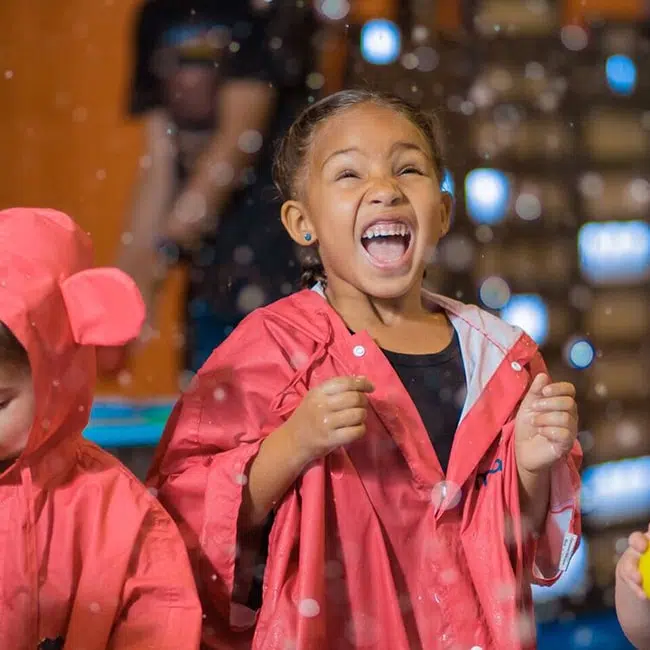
{"x": 644, "y": 568}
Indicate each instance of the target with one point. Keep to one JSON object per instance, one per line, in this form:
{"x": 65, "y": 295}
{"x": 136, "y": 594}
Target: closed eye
{"x": 347, "y": 173}
{"x": 410, "y": 169}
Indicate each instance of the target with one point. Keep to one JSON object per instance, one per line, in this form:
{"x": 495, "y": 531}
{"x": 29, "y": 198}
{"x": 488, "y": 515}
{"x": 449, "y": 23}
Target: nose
{"x": 386, "y": 192}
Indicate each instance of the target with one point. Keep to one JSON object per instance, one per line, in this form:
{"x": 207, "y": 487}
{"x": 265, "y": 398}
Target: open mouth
{"x": 387, "y": 243}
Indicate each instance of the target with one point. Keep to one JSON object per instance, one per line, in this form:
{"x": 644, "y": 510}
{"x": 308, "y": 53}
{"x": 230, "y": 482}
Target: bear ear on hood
{"x": 104, "y": 306}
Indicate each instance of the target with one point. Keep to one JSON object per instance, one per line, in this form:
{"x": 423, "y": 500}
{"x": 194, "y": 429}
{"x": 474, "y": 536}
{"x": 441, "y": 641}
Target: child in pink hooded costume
{"x": 88, "y": 558}
{"x": 322, "y": 408}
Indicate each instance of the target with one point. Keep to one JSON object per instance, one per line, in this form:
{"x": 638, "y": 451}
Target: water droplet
{"x": 639, "y": 190}
{"x": 574, "y": 37}
{"x": 241, "y": 479}
{"x": 250, "y": 141}
{"x": 334, "y": 9}
{"x": 534, "y": 71}
{"x": 628, "y": 434}
{"x": 95, "y": 608}
{"x": 583, "y": 637}
{"x": 420, "y": 33}
{"x": 446, "y": 495}
{"x": 9, "y": 74}
{"x": 250, "y": 297}
{"x": 410, "y": 61}
{"x": 362, "y": 631}
{"x": 153, "y": 492}
{"x": 308, "y": 608}
{"x": 219, "y": 394}
{"x": 222, "y": 173}
{"x": 243, "y": 255}
{"x": 80, "y": 114}
{"x": 457, "y": 252}
{"x": 427, "y": 57}
{"x": 315, "y": 80}
{"x": 528, "y": 207}
{"x": 484, "y": 234}
{"x": 494, "y": 292}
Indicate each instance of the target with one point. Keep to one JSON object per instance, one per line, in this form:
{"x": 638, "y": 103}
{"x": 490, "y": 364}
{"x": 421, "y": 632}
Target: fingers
{"x": 344, "y": 384}
{"x": 347, "y": 400}
{"x": 348, "y": 418}
{"x": 561, "y": 439}
{"x": 563, "y": 403}
{"x": 538, "y": 385}
{"x": 638, "y": 542}
{"x": 347, "y": 435}
{"x": 628, "y": 571}
{"x": 563, "y": 419}
{"x": 559, "y": 389}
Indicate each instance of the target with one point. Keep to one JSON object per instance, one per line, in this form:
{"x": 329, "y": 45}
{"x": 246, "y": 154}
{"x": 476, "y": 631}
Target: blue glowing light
{"x": 617, "y": 491}
{"x": 580, "y": 353}
{"x": 380, "y": 41}
{"x": 530, "y": 313}
{"x": 621, "y": 74}
{"x": 447, "y": 184}
{"x": 615, "y": 252}
{"x": 487, "y": 193}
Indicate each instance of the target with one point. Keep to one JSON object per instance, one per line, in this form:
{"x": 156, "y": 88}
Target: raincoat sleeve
{"x": 551, "y": 552}
{"x": 159, "y": 607}
{"x": 201, "y": 465}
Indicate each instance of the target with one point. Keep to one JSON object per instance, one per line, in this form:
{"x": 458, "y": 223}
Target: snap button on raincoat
{"x": 89, "y": 560}
{"x": 372, "y": 547}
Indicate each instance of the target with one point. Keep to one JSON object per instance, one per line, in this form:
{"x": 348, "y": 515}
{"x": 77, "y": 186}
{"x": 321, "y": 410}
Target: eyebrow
{"x": 400, "y": 145}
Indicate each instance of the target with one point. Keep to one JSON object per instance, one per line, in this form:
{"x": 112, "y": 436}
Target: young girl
{"x": 632, "y": 603}
{"x": 89, "y": 560}
{"x": 400, "y": 439}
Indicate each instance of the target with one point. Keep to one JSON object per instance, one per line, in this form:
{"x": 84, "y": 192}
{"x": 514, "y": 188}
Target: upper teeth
{"x": 385, "y": 230}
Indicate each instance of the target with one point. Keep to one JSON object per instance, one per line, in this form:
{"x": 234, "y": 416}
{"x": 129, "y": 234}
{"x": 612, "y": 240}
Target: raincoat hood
{"x": 59, "y": 308}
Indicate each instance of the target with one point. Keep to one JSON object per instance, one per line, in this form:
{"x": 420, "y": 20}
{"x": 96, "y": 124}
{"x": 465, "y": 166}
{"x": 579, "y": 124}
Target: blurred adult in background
{"x": 217, "y": 82}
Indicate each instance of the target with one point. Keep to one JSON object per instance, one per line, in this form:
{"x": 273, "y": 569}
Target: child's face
{"x": 372, "y": 201}
{"x": 16, "y": 409}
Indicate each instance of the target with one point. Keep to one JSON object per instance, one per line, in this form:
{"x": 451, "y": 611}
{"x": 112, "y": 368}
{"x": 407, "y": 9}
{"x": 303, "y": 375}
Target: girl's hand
{"x": 330, "y": 416}
{"x": 546, "y": 425}
{"x": 627, "y": 568}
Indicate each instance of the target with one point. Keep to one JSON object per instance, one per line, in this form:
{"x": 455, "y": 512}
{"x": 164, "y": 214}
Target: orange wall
{"x": 576, "y": 11}
{"x": 65, "y": 141}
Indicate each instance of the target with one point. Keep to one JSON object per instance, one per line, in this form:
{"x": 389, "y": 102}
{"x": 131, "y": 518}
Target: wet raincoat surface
{"x": 372, "y": 547}
{"x": 88, "y": 559}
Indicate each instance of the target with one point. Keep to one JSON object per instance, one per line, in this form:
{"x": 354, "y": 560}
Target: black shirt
{"x": 436, "y": 384}
{"x": 250, "y": 260}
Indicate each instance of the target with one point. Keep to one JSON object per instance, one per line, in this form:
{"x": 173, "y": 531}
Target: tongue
{"x": 386, "y": 249}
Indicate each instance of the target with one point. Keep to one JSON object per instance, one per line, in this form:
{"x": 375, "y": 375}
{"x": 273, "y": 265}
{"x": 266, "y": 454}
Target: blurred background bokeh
{"x": 546, "y": 106}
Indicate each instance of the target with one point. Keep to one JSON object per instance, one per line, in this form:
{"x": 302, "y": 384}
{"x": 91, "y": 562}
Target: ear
{"x": 297, "y": 223}
{"x": 104, "y": 307}
{"x": 446, "y": 210}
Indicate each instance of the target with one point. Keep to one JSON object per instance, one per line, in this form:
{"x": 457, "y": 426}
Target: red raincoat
{"x": 373, "y": 547}
{"x": 88, "y": 558}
